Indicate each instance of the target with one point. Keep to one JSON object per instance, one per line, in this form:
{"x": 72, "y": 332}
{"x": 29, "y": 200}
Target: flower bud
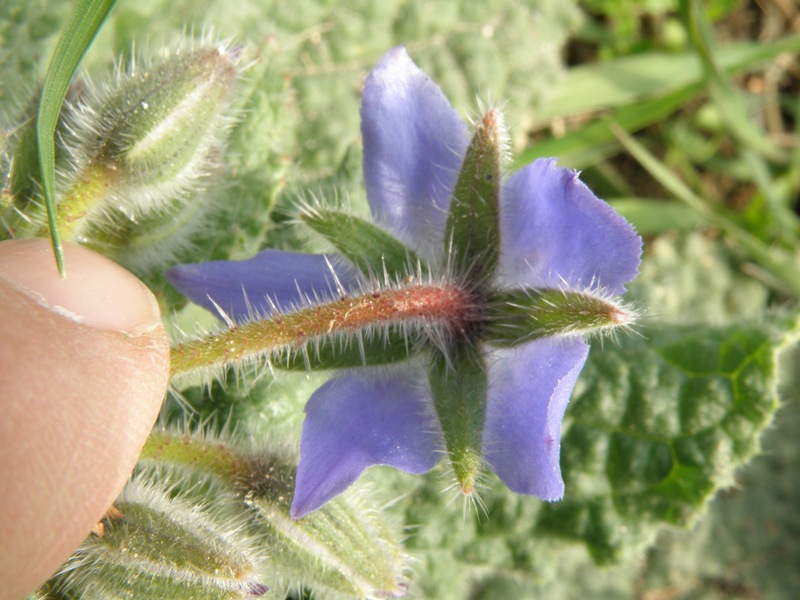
{"x": 140, "y": 146}
{"x": 345, "y": 550}
{"x": 518, "y": 316}
{"x": 163, "y": 543}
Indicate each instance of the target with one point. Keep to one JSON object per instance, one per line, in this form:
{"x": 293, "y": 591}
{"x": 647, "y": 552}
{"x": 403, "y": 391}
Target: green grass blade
{"x": 84, "y": 23}
{"x": 729, "y": 99}
{"x": 653, "y": 217}
{"x": 772, "y": 260}
{"x": 595, "y": 141}
{"x": 677, "y": 80}
{"x": 627, "y": 80}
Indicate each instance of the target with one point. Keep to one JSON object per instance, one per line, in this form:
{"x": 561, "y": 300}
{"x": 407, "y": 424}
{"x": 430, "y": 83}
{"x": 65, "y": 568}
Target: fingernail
{"x": 96, "y": 291}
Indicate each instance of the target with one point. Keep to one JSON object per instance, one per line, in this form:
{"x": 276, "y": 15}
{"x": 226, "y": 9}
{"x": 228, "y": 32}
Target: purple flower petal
{"x": 529, "y": 387}
{"x": 414, "y": 144}
{"x": 361, "y": 418}
{"x": 241, "y": 288}
{"x": 555, "y": 231}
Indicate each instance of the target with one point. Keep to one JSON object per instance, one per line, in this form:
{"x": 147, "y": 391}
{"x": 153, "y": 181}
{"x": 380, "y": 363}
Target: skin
{"x": 84, "y": 365}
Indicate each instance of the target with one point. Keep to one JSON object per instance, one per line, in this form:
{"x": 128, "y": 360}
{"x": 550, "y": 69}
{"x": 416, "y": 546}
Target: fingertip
{"x": 96, "y": 291}
{"x": 84, "y": 367}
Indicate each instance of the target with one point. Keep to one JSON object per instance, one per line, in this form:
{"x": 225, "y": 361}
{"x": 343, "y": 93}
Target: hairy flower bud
{"x": 139, "y": 146}
{"x": 162, "y": 544}
{"x": 346, "y": 550}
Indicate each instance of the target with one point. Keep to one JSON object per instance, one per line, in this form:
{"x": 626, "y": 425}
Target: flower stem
{"x": 446, "y": 308}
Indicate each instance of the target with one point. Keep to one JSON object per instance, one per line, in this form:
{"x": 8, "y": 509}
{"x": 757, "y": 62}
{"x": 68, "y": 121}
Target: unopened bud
{"x": 347, "y": 549}
{"x": 518, "y": 316}
{"x": 141, "y": 145}
{"x": 162, "y": 544}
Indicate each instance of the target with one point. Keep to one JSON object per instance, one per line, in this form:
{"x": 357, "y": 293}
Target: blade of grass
{"x": 595, "y": 141}
{"x": 775, "y": 262}
{"x": 727, "y": 97}
{"x": 652, "y": 217}
{"x": 85, "y": 21}
{"x": 628, "y": 80}
{"x": 785, "y": 218}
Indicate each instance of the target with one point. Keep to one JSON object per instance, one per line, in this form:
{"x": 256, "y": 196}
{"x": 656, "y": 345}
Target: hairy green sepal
{"x": 458, "y": 384}
{"x": 518, "y": 316}
{"x": 473, "y": 226}
{"x": 367, "y": 246}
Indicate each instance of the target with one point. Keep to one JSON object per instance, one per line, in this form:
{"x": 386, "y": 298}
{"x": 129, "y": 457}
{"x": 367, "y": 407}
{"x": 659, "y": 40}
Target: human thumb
{"x": 84, "y": 365}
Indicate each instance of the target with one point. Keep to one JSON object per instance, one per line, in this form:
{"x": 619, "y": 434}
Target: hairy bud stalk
{"x": 443, "y": 312}
{"x": 445, "y": 309}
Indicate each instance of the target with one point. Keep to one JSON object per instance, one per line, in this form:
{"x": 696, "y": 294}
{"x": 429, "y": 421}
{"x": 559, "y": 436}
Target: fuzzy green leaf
{"x": 703, "y": 395}
{"x": 658, "y": 426}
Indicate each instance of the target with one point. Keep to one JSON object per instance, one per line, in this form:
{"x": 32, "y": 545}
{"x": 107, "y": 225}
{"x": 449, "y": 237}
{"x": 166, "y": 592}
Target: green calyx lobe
{"x": 473, "y": 227}
{"x": 518, "y": 316}
{"x": 459, "y": 384}
{"x": 368, "y": 247}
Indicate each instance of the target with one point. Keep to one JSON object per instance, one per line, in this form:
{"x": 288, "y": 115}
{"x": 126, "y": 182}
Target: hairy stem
{"x": 445, "y": 307}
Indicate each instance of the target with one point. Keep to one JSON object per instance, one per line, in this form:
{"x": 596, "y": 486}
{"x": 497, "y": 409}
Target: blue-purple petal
{"x": 414, "y": 144}
{"x": 360, "y": 418}
{"x": 271, "y": 279}
{"x": 555, "y": 232}
{"x": 529, "y": 388}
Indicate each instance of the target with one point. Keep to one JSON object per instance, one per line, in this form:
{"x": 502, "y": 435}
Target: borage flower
{"x": 490, "y": 283}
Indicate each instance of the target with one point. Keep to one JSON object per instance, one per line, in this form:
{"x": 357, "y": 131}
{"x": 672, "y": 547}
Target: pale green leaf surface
{"x": 662, "y": 424}
{"x": 693, "y": 279}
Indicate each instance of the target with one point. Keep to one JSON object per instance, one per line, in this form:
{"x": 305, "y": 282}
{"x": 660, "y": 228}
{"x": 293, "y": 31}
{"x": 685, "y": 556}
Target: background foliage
{"x": 661, "y": 419}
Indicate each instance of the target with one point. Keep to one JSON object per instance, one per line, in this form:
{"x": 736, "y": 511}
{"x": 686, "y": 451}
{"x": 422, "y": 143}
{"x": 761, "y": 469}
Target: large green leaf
{"x": 656, "y": 427}
{"x": 659, "y": 425}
